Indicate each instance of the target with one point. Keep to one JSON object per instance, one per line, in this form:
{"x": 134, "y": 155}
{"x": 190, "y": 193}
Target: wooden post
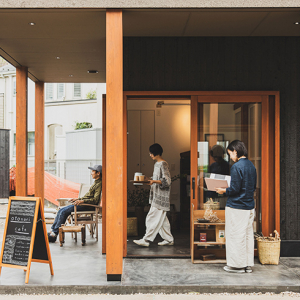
{"x": 194, "y": 165}
{"x": 21, "y": 131}
{"x": 124, "y": 176}
{"x": 200, "y": 138}
{"x": 277, "y": 162}
{"x": 244, "y": 124}
{"x": 265, "y": 180}
{"x": 114, "y": 144}
{"x": 39, "y": 140}
{"x": 213, "y": 128}
{"x": 104, "y": 174}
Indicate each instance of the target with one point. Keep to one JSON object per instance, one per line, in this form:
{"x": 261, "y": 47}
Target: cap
{"x": 97, "y": 168}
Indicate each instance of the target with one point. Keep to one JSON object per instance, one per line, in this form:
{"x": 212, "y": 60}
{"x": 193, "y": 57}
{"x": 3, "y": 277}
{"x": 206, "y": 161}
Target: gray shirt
{"x": 160, "y": 193}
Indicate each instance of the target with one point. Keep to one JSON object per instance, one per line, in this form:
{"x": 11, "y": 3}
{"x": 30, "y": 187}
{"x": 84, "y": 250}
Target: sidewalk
{"x": 157, "y": 297}
{"x": 82, "y": 270}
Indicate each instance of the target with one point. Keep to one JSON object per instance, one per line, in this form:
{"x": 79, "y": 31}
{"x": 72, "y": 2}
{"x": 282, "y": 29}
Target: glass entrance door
{"x": 219, "y": 124}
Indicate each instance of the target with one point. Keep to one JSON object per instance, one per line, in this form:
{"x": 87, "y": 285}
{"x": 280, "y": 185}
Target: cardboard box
{"x": 205, "y": 257}
{"x": 220, "y": 233}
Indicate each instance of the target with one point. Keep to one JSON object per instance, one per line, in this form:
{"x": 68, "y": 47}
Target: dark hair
{"x": 240, "y": 148}
{"x": 156, "y": 149}
{"x": 217, "y": 151}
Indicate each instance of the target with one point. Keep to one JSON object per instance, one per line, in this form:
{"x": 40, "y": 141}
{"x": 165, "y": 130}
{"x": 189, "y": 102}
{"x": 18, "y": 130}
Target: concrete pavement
{"x": 82, "y": 270}
{"x": 283, "y": 296}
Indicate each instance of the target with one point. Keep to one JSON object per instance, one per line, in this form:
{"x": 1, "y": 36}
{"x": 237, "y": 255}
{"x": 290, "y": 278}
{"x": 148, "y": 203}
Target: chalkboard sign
{"x": 25, "y": 237}
{"x": 18, "y": 234}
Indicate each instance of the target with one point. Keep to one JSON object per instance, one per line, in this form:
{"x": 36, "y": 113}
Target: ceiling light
{"x": 31, "y": 23}
{"x": 297, "y": 23}
{"x": 70, "y": 75}
{"x": 57, "y": 57}
{"x": 92, "y": 71}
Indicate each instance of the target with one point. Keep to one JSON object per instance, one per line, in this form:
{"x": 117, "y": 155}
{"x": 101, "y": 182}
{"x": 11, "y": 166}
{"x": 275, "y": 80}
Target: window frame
{"x": 74, "y": 96}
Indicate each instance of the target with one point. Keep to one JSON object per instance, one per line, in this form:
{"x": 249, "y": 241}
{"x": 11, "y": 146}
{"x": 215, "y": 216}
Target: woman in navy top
{"x": 239, "y": 210}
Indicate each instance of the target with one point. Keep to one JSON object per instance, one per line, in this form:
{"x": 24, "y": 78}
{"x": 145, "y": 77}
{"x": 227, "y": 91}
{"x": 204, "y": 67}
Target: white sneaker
{"x": 234, "y": 270}
{"x": 165, "y": 243}
{"x": 248, "y": 270}
{"x": 141, "y": 242}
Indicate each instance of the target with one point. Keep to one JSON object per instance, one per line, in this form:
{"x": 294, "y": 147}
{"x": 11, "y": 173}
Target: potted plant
{"x": 138, "y": 198}
{"x": 82, "y": 125}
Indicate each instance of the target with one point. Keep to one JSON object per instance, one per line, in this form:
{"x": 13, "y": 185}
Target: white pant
{"x": 157, "y": 222}
{"x": 239, "y": 237}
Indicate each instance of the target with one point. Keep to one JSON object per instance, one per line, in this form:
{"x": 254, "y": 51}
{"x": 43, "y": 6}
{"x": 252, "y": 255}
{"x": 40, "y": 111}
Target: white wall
{"x": 172, "y": 131}
{"x": 67, "y": 113}
{"x": 64, "y": 113}
{"x": 83, "y": 149}
{"x": 7, "y": 78}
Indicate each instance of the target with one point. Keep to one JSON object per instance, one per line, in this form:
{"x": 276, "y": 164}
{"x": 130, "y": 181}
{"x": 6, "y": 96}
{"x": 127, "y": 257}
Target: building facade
{"x": 239, "y": 57}
{"x": 65, "y": 105}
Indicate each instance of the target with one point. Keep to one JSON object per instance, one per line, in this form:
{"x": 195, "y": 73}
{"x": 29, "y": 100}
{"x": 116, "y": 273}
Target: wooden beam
{"x": 213, "y": 128}
{"x": 194, "y": 150}
{"x": 194, "y": 162}
{"x": 39, "y": 140}
{"x": 277, "y": 162}
{"x": 272, "y": 163}
{"x": 114, "y": 144}
{"x": 265, "y": 180}
{"x": 104, "y": 174}
{"x": 21, "y": 131}
{"x": 200, "y": 138}
{"x": 244, "y": 124}
{"x": 125, "y": 176}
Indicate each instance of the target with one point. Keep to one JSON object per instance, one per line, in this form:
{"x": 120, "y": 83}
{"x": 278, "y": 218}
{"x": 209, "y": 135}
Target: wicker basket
{"x": 268, "y": 251}
{"x": 132, "y": 229}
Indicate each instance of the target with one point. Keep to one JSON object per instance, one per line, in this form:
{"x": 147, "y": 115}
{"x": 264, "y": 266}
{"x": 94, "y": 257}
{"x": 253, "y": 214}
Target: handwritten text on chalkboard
{"x": 19, "y": 229}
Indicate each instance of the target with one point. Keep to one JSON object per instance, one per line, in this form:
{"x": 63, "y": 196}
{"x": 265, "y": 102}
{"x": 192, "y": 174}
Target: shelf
{"x": 212, "y": 235}
{"x": 208, "y": 243}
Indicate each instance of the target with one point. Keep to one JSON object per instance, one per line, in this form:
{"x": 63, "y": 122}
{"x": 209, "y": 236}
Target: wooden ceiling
{"x": 77, "y": 36}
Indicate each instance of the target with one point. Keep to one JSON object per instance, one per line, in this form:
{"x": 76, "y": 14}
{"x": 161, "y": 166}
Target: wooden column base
{"x": 114, "y": 277}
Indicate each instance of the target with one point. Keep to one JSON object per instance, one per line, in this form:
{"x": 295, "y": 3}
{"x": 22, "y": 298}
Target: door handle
{"x": 193, "y": 187}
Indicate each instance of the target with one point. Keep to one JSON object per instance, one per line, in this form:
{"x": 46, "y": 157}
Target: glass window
{"x": 30, "y": 143}
{"x": 31, "y": 139}
{"x": 1, "y": 110}
{"x": 77, "y": 90}
{"x": 49, "y": 91}
{"x": 60, "y": 91}
{"x": 14, "y": 87}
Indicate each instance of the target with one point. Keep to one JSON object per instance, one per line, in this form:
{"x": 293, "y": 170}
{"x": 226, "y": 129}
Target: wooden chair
{"x": 87, "y": 218}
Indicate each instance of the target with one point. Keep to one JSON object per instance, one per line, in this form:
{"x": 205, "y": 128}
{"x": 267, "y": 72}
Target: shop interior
{"x": 168, "y": 122}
